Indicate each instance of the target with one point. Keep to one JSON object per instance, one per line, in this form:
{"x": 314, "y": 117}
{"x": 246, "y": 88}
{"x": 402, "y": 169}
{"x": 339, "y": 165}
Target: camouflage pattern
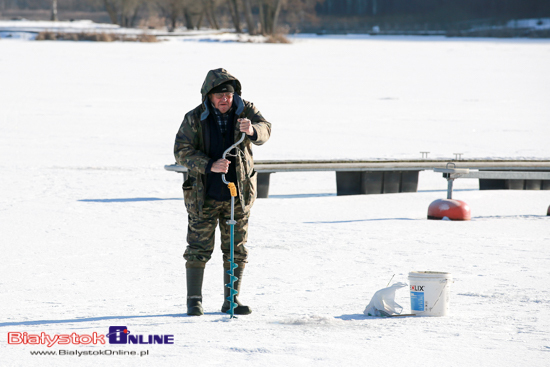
{"x": 215, "y": 78}
{"x": 201, "y": 230}
{"x": 189, "y": 148}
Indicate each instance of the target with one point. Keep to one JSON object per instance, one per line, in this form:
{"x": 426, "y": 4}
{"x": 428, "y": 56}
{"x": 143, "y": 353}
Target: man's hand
{"x": 245, "y": 126}
{"x": 220, "y": 166}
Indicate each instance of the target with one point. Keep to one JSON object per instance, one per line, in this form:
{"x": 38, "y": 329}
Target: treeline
{"x": 270, "y": 16}
{"x": 251, "y": 16}
{"x": 442, "y": 10}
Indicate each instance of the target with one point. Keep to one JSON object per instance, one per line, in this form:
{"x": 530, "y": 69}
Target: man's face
{"x": 222, "y": 101}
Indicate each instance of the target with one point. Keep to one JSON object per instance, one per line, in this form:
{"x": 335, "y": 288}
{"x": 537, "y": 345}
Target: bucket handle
{"x": 440, "y": 293}
{"x": 438, "y": 297}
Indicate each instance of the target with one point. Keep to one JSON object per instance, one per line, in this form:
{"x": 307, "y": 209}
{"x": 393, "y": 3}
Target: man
{"x": 205, "y": 133}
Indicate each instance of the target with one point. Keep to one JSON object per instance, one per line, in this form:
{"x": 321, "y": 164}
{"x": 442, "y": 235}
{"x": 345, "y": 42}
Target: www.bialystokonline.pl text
{"x": 78, "y": 353}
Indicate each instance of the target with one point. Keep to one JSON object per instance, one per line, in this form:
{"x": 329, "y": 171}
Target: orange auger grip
{"x": 232, "y": 189}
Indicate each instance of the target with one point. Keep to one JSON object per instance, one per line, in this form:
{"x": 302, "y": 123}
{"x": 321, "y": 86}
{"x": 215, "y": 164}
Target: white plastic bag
{"x": 383, "y": 302}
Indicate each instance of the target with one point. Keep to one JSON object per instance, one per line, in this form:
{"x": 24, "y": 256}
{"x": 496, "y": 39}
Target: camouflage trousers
{"x": 201, "y": 231}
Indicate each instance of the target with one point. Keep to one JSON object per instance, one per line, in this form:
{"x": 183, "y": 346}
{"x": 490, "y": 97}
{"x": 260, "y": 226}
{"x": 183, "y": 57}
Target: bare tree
{"x": 170, "y": 10}
{"x": 208, "y": 10}
{"x": 130, "y": 10}
{"x": 188, "y": 17}
{"x": 54, "y": 11}
{"x": 248, "y": 17}
{"x": 112, "y": 9}
{"x": 123, "y": 12}
{"x": 191, "y": 11}
{"x": 234, "y": 10}
{"x": 269, "y": 15}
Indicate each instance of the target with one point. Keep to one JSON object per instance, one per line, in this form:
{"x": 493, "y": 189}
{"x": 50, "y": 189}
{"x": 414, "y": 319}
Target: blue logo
{"x": 118, "y": 335}
{"x": 121, "y": 335}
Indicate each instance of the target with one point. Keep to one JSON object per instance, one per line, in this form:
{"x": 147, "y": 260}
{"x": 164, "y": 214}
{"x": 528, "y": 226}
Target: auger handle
{"x": 227, "y": 151}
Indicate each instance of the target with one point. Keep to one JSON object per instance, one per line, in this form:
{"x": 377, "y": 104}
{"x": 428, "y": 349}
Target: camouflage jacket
{"x": 190, "y": 147}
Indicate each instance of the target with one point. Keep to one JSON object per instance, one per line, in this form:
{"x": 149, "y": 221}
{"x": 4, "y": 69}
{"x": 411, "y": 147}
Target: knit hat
{"x": 226, "y": 87}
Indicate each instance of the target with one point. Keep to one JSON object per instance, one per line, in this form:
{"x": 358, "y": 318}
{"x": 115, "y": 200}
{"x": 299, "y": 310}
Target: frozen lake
{"x": 92, "y": 228}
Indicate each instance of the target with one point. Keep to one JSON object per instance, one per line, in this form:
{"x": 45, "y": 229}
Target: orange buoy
{"x": 449, "y": 209}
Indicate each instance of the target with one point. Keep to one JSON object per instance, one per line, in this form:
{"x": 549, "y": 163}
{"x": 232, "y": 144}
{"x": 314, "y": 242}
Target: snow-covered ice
{"x": 92, "y": 227}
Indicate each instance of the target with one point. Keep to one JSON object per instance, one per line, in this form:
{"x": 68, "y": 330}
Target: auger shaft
{"x": 232, "y": 222}
{"x": 232, "y": 265}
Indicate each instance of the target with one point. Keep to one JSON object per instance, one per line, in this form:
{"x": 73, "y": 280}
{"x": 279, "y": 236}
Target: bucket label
{"x": 417, "y": 301}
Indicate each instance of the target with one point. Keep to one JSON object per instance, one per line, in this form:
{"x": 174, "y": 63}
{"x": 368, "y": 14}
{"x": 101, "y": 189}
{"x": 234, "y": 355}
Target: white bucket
{"x": 430, "y": 292}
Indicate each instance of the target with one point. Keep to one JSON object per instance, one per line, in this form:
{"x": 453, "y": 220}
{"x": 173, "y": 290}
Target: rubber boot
{"x": 240, "y": 309}
{"x": 194, "y": 291}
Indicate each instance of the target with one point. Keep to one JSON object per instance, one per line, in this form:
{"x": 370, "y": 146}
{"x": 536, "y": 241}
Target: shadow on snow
{"x": 359, "y": 220}
{"x": 296, "y": 196}
{"x": 125, "y": 200}
{"x": 101, "y": 318}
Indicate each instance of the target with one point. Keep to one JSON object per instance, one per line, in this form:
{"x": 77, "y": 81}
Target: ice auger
{"x": 232, "y": 222}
